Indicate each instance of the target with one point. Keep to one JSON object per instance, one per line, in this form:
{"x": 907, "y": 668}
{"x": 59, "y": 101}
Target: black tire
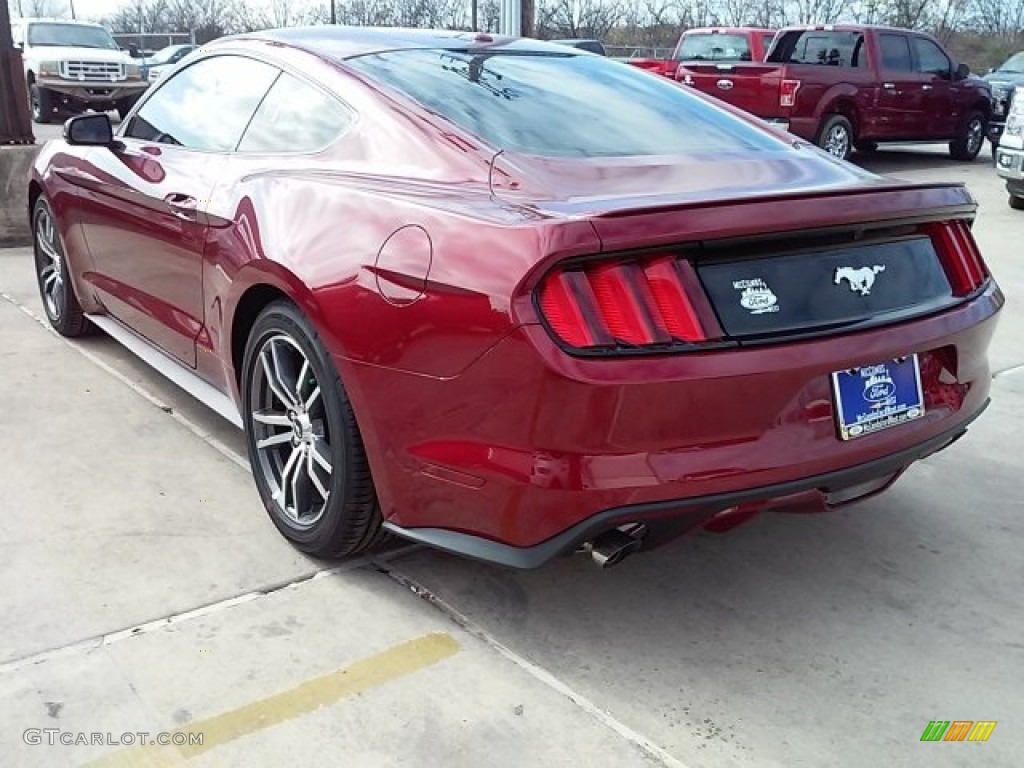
{"x": 41, "y": 104}
{"x": 968, "y": 143}
{"x": 124, "y": 106}
{"x": 349, "y": 520}
{"x": 1017, "y": 203}
{"x": 866, "y": 147}
{"x": 56, "y": 289}
{"x": 836, "y": 136}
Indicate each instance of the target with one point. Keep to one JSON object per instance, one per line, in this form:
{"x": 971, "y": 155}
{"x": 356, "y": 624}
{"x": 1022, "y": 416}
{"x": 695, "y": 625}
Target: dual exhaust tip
{"x": 612, "y": 547}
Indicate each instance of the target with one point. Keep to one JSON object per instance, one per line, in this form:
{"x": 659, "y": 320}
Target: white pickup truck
{"x": 71, "y": 66}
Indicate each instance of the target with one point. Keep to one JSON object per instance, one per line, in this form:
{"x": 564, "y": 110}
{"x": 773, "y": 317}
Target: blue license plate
{"x": 874, "y": 397}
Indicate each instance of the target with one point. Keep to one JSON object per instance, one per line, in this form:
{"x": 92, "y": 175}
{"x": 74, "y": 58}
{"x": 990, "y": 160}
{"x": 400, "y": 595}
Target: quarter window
{"x": 295, "y": 117}
{"x": 930, "y": 58}
{"x": 205, "y": 106}
{"x": 895, "y": 53}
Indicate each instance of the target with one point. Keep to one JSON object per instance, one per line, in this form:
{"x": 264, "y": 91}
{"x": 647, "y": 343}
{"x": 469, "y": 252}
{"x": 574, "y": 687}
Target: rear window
{"x": 709, "y": 46}
{"x": 552, "y": 104}
{"x": 813, "y": 46}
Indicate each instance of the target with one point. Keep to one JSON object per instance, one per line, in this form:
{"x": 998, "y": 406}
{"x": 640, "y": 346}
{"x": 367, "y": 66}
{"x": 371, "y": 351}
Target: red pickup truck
{"x": 703, "y": 48}
{"x": 848, "y": 86}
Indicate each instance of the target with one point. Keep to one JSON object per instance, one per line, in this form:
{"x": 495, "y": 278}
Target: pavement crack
{"x": 649, "y": 749}
{"x": 90, "y": 644}
{"x": 1012, "y": 369}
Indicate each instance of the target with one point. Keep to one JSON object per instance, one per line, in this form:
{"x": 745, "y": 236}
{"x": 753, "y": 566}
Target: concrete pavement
{"x": 794, "y": 641}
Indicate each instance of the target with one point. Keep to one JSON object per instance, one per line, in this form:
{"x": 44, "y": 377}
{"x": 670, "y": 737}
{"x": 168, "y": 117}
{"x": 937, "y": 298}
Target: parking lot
{"x": 145, "y": 590}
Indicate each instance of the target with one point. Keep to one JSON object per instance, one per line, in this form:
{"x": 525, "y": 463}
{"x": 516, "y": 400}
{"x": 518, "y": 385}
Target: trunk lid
{"x": 782, "y": 246}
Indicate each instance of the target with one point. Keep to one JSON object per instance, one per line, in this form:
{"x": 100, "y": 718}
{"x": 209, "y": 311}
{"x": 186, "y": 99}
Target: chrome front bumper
{"x": 1010, "y": 163}
{"x": 93, "y": 91}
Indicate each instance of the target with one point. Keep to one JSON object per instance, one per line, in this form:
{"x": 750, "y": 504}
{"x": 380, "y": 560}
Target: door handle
{"x": 926, "y": 87}
{"x": 889, "y": 86}
{"x": 183, "y": 206}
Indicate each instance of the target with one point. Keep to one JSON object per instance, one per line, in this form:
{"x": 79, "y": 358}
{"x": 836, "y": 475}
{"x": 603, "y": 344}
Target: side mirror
{"x": 133, "y": 51}
{"x": 89, "y": 130}
{"x": 962, "y": 71}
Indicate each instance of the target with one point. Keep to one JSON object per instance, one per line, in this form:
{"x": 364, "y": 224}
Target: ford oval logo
{"x": 879, "y": 388}
{"x": 725, "y": 85}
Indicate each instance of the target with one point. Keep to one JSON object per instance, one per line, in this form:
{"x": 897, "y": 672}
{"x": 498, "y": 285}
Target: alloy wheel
{"x": 289, "y": 426}
{"x": 837, "y": 142}
{"x": 975, "y": 135}
{"x": 49, "y": 264}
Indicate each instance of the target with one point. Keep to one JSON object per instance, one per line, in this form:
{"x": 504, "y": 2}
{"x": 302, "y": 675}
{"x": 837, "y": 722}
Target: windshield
{"x": 71, "y": 35}
{"x": 1014, "y": 64}
{"x": 554, "y": 104}
{"x": 714, "y": 47}
{"x": 164, "y": 55}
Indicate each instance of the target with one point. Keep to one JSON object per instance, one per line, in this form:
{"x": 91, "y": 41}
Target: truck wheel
{"x": 40, "y": 102}
{"x": 124, "y": 106}
{"x": 836, "y": 136}
{"x": 967, "y": 145}
{"x": 1017, "y": 203}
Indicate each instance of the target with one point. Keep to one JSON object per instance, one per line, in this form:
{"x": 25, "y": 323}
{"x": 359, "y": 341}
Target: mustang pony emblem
{"x": 860, "y": 280}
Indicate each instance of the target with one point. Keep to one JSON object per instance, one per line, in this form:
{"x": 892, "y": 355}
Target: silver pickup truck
{"x": 1010, "y": 152}
{"x": 71, "y": 66}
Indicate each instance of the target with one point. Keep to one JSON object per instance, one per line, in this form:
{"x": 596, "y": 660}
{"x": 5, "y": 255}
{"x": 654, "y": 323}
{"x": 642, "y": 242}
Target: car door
{"x": 900, "y": 110}
{"x": 937, "y": 91}
{"x": 144, "y": 204}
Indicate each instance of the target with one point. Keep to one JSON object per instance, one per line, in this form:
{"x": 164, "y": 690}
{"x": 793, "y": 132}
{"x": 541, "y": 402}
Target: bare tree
{"x": 578, "y": 18}
{"x": 370, "y": 13}
{"x": 43, "y": 8}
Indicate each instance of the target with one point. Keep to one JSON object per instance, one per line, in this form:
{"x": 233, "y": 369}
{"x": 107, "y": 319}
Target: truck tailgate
{"x": 751, "y": 87}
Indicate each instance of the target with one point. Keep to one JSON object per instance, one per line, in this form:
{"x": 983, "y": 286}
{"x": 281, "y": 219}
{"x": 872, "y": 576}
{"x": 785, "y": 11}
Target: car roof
{"x": 342, "y": 42}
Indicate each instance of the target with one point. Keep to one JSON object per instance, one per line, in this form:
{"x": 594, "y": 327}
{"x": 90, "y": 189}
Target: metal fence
{"x": 638, "y": 52}
{"x": 154, "y": 41}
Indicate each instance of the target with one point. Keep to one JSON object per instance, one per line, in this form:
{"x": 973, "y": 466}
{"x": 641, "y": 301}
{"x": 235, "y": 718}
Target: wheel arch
{"x": 983, "y": 106}
{"x": 35, "y": 191}
{"x": 254, "y": 288}
{"x": 840, "y": 101}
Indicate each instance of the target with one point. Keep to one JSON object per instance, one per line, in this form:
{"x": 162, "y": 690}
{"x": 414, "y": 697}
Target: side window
{"x": 895, "y": 53}
{"x": 205, "y": 106}
{"x": 930, "y": 58}
{"x": 295, "y": 117}
{"x": 766, "y": 43}
{"x": 830, "y": 49}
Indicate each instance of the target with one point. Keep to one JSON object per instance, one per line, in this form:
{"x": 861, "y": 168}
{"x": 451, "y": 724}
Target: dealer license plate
{"x": 875, "y": 397}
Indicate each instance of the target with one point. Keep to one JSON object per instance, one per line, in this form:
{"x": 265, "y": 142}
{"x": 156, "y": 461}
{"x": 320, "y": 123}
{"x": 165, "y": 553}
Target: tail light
{"x": 960, "y": 256}
{"x": 632, "y": 304}
{"x": 787, "y": 92}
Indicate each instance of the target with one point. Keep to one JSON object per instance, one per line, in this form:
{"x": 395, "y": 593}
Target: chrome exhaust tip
{"x": 612, "y": 547}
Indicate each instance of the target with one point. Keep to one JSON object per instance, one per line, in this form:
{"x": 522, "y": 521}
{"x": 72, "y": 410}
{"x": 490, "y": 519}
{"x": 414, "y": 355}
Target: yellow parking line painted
{"x": 395, "y": 662}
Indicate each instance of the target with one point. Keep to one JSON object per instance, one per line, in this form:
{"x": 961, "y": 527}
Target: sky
{"x": 84, "y": 9}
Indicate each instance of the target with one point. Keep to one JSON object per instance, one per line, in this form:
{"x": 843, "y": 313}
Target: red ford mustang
{"x": 509, "y": 299}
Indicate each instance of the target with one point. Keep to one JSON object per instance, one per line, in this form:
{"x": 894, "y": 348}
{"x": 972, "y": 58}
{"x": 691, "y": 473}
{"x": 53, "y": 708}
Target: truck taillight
{"x": 960, "y": 256}
{"x": 787, "y": 92}
{"x": 609, "y": 305}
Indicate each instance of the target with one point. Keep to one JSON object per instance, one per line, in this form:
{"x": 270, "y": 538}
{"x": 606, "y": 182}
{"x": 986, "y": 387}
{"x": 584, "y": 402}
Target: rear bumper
{"x": 528, "y": 450}
{"x": 678, "y": 515}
